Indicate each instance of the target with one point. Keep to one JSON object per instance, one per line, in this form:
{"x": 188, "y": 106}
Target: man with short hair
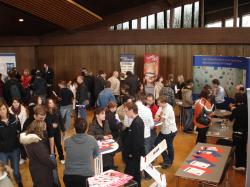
{"x": 115, "y": 84}
{"x": 168, "y": 132}
{"x": 219, "y": 93}
{"x": 79, "y": 162}
{"x": 105, "y": 96}
{"x": 48, "y": 75}
{"x": 133, "y": 144}
{"x": 82, "y": 97}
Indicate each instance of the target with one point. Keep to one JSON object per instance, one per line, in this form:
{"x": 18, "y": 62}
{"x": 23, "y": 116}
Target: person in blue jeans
{"x": 10, "y": 129}
{"x": 168, "y": 132}
{"x": 82, "y": 97}
{"x": 65, "y": 96}
{"x": 187, "y": 103}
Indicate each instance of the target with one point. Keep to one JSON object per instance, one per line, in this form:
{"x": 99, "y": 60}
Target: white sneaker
{"x": 239, "y": 168}
{"x": 63, "y": 162}
{"x": 22, "y": 161}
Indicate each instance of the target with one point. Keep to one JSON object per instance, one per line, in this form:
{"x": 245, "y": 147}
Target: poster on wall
{"x": 151, "y": 67}
{"x": 229, "y": 70}
{"x": 7, "y": 62}
{"x": 127, "y": 63}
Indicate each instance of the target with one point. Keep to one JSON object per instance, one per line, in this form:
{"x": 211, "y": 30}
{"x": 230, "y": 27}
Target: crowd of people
{"x": 35, "y": 114}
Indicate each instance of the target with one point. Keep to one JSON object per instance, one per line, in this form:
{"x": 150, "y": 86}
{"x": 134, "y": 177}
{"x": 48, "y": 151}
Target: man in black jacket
{"x": 133, "y": 145}
{"x": 132, "y": 82}
{"x": 99, "y": 83}
{"x": 82, "y": 97}
{"x": 48, "y": 75}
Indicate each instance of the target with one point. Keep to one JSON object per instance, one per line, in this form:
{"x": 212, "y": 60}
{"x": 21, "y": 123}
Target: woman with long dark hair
{"x": 203, "y": 104}
{"x": 9, "y": 143}
{"x": 53, "y": 115}
{"x": 101, "y": 131}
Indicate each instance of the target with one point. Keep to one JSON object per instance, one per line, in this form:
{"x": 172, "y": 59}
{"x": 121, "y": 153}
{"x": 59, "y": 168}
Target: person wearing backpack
{"x": 12, "y": 88}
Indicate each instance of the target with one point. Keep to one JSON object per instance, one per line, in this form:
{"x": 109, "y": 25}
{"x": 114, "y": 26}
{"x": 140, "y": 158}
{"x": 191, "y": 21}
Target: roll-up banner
{"x": 127, "y": 63}
{"x": 151, "y": 67}
{"x": 7, "y": 62}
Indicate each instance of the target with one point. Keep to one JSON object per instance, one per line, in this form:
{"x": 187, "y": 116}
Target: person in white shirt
{"x": 146, "y": 115}
{"x": 219, "y": 93}
{"x": 115, "y": 84}
{"x": 168, "y": 132}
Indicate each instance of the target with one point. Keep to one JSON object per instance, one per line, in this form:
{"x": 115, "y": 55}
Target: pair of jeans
{"x": 14, "y": 158}
{"x": 56, "y": 181}
{"x": 82, "y": 112}
{"x": 148, "y": 147}
{"x": 65, "y": 113}
{"x": 202, "y": 135}
{"x": 75, "y": 181}
{"x": 168, "y": 156}
{"x": 188, "y": 117}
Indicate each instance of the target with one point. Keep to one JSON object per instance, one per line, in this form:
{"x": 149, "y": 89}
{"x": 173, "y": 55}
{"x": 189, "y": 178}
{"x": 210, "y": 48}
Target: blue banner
{"x": 229, "y": 70}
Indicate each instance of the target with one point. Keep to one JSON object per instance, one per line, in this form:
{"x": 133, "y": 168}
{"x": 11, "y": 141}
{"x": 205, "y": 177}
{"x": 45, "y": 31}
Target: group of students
{"x": 125, "y": 111}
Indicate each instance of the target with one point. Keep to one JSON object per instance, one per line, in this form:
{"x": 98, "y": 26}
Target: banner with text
{"x": 7, "y": 62}
{"x": 127, "y": 63}
{"x": 151, "y": 67}
{"x": 229, "y": 70}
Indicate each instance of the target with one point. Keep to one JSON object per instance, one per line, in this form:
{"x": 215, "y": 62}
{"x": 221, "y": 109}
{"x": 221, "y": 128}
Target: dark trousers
{"x": 58, "y": 144}
{"x": 133, "y": 168}
{"x": 168, "y": 157}
{"x": 75, "y": 181}
{"x": 221, "y": 106}
{"x": 202, "y": 135}
{"x": 240, "y": 143}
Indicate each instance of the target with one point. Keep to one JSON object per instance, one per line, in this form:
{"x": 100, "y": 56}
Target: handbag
{"x": 203, "y": 117}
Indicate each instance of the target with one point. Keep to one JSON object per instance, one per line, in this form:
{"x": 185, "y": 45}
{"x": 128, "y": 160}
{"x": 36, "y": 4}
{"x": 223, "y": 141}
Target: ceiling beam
{"x": 64, "y": 13}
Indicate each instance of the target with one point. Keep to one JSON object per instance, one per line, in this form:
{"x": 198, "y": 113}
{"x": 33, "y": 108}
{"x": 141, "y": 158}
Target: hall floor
{"x": 183, "y": 144}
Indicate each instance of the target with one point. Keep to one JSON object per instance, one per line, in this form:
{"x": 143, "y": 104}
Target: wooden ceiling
{"x": 64, "y": 13}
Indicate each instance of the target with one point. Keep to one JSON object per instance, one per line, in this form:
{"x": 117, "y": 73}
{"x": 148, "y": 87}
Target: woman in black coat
{"x": 40, "y": 164}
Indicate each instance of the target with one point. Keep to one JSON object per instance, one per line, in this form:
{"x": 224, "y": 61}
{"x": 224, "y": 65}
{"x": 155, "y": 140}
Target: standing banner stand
{"x": 127, "y": 63}
{"x": 248, "y": 144}
{"x": 160, "y": 179}
{"x": 7, "y": 62}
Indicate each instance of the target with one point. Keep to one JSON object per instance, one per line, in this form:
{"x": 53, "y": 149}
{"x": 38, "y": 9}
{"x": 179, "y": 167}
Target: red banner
{"x": 151, "y": 66}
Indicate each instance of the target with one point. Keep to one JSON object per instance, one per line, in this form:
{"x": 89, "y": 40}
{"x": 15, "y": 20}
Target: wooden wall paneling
{"x": 229, "y": 50}
{"x": 203, "y": 50}
{"x": 164, "y": 61}
{"x": 117, "y": 51}
{"x": 25, "y": 56}
{"x": 246, "y": 50}
{"x": 187, "y": 63}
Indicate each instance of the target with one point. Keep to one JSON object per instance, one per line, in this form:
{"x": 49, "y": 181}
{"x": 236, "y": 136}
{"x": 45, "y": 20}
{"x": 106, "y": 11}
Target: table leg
{"x": 177, "y": 181}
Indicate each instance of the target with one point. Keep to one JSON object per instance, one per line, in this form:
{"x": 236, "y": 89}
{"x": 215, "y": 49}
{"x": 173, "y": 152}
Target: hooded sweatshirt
{"x": 81, "y": 149}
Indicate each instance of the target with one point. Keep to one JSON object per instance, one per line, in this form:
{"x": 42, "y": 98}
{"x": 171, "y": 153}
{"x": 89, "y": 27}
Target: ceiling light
{"x": 20, "y": 19}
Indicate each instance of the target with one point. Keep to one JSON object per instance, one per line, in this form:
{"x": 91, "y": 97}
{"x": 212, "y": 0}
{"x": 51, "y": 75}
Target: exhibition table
{"x": 220, "y": 128}
{"x": 206, "y": 164}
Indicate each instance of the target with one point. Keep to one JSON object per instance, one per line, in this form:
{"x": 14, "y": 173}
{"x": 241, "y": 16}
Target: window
{"x": 151, "y": 21}
{"x": 177, "y": 17}
{"x": 160, "y": 20}
{"x": 144, "y": 22}
{"x": 230, "y": 22}
{"x": 246, "y": 20}
{"x": 134, "y": 24}
{"x": 214, "y": 24}
{"x": 188, "y": 15}
{"x": 125, "y": 26}
{"x": 112, "y": 28}
{"x": 196, "y": 14}
{"x": 168, "y": 18}
{"x": 119, "y": 26}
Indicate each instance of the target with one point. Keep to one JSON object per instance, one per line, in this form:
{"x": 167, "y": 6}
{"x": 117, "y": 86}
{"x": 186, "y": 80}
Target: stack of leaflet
{"x": 109, "y": 178}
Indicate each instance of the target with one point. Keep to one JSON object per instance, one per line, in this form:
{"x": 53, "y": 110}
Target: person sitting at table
{"x": 81, "y": 149}
{"x": 101, "y": 131}
{"x": 205, "y": 101}
{"x": 240, "y": 129}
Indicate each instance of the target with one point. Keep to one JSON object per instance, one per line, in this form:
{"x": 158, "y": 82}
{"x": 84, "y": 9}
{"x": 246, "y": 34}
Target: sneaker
{"x": 63, "y": 162}
{"x": 239, "y": 168}
{"x": 22, "y": 161}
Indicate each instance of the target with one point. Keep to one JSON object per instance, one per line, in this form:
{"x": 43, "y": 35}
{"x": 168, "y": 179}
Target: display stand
{"x": 248, "y": 144}
{"x": 160, "y": 179}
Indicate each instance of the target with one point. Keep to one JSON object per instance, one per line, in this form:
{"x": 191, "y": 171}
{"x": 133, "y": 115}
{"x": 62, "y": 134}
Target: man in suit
{"x": 48, "y": 75}
{"x": 133, "y": 145}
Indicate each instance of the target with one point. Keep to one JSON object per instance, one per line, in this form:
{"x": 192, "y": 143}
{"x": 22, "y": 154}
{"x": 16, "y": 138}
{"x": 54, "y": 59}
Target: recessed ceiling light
{"x": 20, "y": 19}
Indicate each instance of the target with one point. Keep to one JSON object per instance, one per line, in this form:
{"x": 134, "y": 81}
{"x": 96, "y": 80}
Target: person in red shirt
{"x": 25, "y": 81}
{"x": 150, "y": 102}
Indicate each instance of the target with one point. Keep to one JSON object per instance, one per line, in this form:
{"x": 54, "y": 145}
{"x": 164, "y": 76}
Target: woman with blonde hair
{"x": 40, "y": 164}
